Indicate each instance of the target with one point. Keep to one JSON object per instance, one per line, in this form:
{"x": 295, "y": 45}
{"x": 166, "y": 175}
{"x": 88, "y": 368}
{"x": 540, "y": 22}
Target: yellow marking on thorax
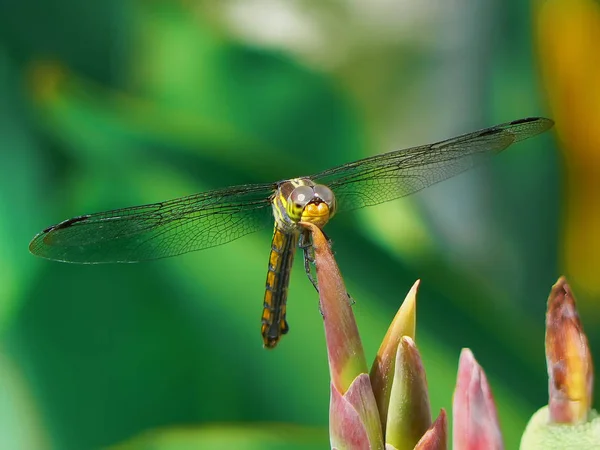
{"x": 281, "y": 205}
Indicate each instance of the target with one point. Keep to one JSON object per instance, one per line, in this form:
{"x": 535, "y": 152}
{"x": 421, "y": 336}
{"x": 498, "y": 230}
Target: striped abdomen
{"x": 283, "y": 248}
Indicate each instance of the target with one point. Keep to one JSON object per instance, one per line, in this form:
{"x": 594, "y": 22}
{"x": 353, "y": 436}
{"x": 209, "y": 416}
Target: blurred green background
{"x": 123, "y": 102}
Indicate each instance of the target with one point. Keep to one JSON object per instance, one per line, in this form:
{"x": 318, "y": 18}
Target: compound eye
{"x": 301, "y": 196}
{"x": 324, "y": 193}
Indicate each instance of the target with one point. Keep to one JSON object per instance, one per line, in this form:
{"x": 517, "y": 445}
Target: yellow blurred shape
{"x": 568, "y": 42}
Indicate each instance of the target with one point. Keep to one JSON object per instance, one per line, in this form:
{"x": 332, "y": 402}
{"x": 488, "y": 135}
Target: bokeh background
{"x": 123, "y": 102}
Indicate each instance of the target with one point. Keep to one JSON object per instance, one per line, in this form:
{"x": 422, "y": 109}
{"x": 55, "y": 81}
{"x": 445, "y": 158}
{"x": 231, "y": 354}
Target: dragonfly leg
{"x": 305, "y": 243}
{"x": 350, "y": 299}
{"x": 309, "y": 257}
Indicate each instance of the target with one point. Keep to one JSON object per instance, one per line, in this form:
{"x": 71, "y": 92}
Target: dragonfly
{"x": 216, "y": 217}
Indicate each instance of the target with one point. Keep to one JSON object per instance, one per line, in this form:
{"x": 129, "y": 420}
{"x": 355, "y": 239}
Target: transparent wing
{"x": 392, "y": 175}
{"x": 159, "y": 230}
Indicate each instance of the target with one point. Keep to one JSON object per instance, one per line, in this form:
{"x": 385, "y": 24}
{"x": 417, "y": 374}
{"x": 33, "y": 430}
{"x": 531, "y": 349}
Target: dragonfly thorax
{"x": 301, "y": 200}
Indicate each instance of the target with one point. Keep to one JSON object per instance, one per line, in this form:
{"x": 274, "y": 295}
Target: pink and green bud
{"x": 568, "y": 421}
{"x": 353, "y": 422}
{"x": 344, "y": 347}
{"x": 475, "y": 417}
{"x": 408, "y": 414}
{"x": 436, "y": 437}
{"x": 570, "y": 369}
{"x": 382, "y": 371}
{"x": 353, "y": 416}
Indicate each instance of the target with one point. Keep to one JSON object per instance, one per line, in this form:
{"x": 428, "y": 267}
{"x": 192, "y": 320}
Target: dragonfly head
{"x": 314, "y": 204}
